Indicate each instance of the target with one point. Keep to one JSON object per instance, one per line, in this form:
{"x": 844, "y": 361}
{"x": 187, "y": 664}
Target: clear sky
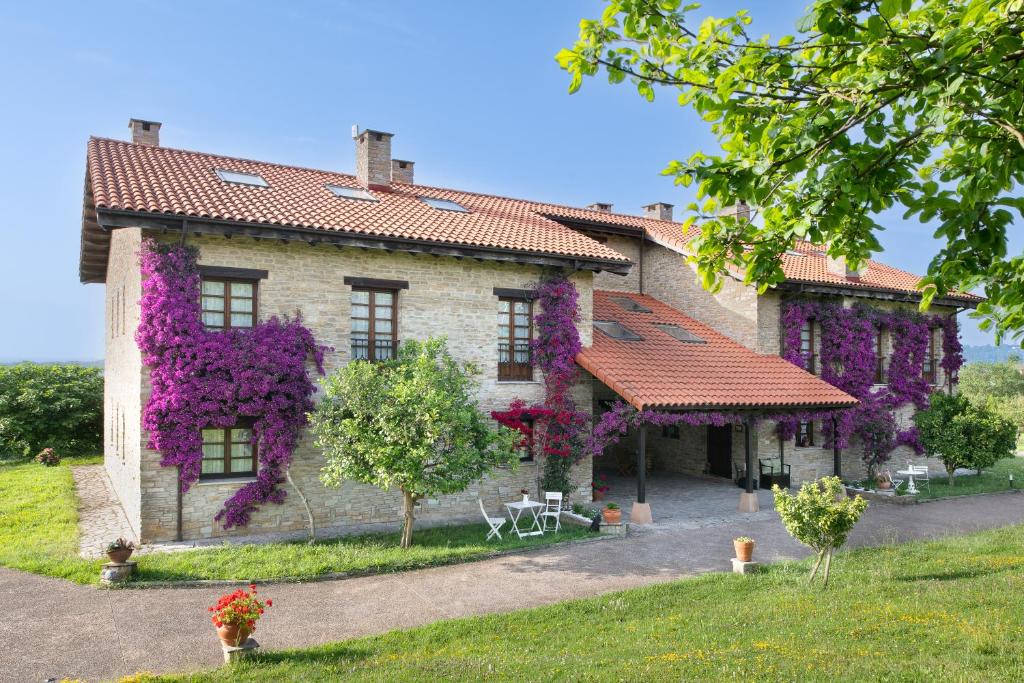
{"x": 470, "y": 89}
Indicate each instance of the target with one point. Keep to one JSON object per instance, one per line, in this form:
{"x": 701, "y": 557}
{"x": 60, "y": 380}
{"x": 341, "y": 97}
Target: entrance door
{"x": 720, "y": 451}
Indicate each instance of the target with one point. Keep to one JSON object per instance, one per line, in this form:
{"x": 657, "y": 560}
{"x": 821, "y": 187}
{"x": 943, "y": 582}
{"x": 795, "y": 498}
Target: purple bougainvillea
{"x": 202, "y": 378}
{"x": 849, "y": 361}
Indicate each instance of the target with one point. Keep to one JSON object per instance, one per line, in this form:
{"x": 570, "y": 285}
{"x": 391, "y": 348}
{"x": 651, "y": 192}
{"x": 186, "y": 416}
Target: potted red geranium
{"x": 600, "y": 488}
{"x": 235, "y": 615}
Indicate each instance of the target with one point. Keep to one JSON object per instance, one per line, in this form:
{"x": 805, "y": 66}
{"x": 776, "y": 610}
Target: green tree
{"x": 411, "y": 424}
{"x": 872, "y": 104}
{"x": 981, "y": 381}
{"x": 963, "y": 434}
{"x": 820, "y": 516}
{"x": 55, "y": 406}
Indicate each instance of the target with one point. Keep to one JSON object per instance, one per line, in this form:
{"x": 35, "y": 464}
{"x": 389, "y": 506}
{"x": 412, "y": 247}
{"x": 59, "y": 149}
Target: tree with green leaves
{"x": 820, "y": 516}
{"x": 872, "y": 104}
{"x": 410, "y": 424}
{"x": 981, "y": 381}
{"x": 963, "y": 434}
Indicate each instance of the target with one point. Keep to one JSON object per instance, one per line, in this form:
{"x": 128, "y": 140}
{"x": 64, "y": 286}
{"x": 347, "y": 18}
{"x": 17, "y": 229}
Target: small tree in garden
{"x": 57, "y": 406}
{"x": 410, "y": 424}
{"x": 820, "y": 516}
{"x": 962, "y": 434}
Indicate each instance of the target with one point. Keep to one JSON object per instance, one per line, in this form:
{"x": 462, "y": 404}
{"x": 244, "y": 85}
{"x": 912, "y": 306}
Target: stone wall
{"x": 630, "y": 248}
{"x": 122, "y": 373}
{"x": 445, "y": 296}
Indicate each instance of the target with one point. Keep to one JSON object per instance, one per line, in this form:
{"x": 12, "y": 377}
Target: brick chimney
{"x": 373, "y": 158}
{"x": 145, "y": 132}
{"x": 401, "y": 171}
{"x": 838, "y": 266}
{"x": 600, "y": 206}
{"x": 659, "y": 211}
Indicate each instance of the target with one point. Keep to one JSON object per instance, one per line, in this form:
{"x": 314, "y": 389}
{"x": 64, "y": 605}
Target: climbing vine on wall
{"x": 202, "y": 378}
{"x": 849, "y": 361}
{"x": 553, "y": 427}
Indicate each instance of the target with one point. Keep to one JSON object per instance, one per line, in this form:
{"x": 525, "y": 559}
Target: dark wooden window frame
{"x": 526, "y": 453}
{"x": 512, "y": 371}
{"x": 226, "y": 310}
{"x": 808, "y": 353}
{"x": 931, "y": 360}
{"x": 879, "y": 355}
{"x": 371, "y": 327}
{"x": 227, "y": 473}
{"x": 805, "y": 429}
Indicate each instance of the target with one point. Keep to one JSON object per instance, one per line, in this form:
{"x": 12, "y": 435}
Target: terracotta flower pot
{"x": 611, "y": 516}
{"x": 119, "y": 556}
{"x": 744, "y": 550}
{"x": 233, "y": 635}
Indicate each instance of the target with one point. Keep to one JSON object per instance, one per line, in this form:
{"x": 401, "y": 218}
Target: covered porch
{"x": 687, "y": 408}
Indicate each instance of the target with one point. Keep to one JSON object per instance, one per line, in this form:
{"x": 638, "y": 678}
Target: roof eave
{"x": 109, "y": 219}
{"x": 871, "y": 292}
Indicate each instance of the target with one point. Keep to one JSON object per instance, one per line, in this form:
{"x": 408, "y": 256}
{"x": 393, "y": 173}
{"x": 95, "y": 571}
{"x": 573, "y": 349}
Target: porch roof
{"x": 660, "y": 371}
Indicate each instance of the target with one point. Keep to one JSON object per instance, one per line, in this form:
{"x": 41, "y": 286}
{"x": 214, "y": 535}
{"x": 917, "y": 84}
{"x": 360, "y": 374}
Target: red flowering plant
{"x": 241, "y": 608}
{"x": 601, "y": 485}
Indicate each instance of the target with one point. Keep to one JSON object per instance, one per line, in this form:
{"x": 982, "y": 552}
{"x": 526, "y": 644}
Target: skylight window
{"x": 616, "y": 330}
{"x": 679, "y": 333}
{"x": 794, "y": 252}
{"x": 630, "y": 305}
{"x": 443, "y": 204}
{"x": 241, "y": 178}
{"x": 351, "y": 193}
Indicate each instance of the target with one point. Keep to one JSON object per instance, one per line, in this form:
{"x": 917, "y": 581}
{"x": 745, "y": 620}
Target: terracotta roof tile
{"x": 163, "y": 180}
{"x": 660, "y": 371}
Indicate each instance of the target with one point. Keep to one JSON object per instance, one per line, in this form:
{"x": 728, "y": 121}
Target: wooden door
{"x": 720, "y": 451}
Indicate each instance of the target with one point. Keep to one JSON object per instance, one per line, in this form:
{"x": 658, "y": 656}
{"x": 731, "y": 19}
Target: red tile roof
{"x": 810, "y": 265}
{"x": 659, "y": 371}
{"x": 162, "y": 180}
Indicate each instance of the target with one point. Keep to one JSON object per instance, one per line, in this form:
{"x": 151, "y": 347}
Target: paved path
{"x": 51, "y": 628}
{"x": 101, "y": 518}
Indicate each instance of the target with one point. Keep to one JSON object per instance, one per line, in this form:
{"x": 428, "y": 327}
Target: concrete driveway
{"x": 53, "y": 629}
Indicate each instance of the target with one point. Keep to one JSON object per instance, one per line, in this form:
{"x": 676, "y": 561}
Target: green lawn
{"x": 945, "y": 610}
{"x": 996, "y": 478}
{"x": 38, "y": 533}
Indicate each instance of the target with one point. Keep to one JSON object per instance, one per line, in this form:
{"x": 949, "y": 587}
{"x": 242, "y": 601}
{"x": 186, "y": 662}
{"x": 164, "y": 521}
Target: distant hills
{"x": 987, "y": 353}
{"x": 85, "y": 363}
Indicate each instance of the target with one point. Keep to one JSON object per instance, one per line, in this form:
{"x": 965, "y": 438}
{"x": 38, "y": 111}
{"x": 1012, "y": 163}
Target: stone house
{"x": 373, "y": 258}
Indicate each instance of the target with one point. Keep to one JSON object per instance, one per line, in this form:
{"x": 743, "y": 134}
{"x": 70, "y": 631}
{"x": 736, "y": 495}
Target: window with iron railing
{"x": 374, "y": 333}
{"x": 807, "y": 346}
{"x": 805, "y": 434}
{"x": 515, "y": 329}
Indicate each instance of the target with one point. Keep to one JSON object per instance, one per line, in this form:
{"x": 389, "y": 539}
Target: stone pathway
{"x": 52, "y": 629}
{"x": 101, "y": 519}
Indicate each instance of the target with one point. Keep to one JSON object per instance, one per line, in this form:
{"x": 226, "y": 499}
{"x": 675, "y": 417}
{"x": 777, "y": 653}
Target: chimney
{"x": 401, "y": 171}
{"x": 373, "y": 158}
{"x": 145, "y": 132}
{"x": 741, "y": 211}
{"x": 658, "y": 211}
{"x": 600, "y": 206}
{"x": 838, "y": 266}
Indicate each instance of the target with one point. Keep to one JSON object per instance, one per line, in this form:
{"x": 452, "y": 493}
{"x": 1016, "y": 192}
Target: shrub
{"x": 963, "y": 434}
{"x": 820, "y": 516}
{"x": 50, "y": 406}
{"x": 48, "y": 457}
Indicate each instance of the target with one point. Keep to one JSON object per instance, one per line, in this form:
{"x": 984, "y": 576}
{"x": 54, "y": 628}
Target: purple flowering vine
{"x": 202, "y": 378}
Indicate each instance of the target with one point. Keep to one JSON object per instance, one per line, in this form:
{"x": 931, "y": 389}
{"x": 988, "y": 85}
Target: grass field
{"x": 996, "y": 478}
{"x": 39, "y": 533}
{"x": 938, "y": 611}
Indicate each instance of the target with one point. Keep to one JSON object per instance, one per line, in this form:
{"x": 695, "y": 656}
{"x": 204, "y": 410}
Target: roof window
{"x": 679, "y": 333}
{"x": 241, "y": 178}
{"x": 794, "y": 252}
{"x": 616, "y": 330}
{"x": 443, "y": 204}
{"x": 630, "y": 305}
{"x": 351, "y": 193}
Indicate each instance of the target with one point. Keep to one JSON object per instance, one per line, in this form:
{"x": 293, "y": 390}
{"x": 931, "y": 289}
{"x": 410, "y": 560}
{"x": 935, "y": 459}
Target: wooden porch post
{"x": 837, "y": 453}
{"x": 748, "y": 499}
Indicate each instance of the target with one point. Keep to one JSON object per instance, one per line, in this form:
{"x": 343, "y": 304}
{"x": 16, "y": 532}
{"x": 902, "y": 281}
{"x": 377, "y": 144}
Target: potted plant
{"x": 120, "y": 550}
{"x": 883, "y": 481}
{"x": 612, "y": 514}
{"x": 526, "y": 495}
{"x": 235, "y": 615}
{"x": 600, "y": 488}
{"x": 744, "y": 546}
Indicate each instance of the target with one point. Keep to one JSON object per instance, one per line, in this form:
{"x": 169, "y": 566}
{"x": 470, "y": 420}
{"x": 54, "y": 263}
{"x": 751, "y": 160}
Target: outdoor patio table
{"x": 515, "y": 511}
{"x": 911, "y": 487}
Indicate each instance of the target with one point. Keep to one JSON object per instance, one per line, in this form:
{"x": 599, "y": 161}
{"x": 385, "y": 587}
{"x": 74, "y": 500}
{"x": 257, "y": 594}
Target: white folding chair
{"x": 494, "y": 522}
{"x": 552, "y": 510}
{"x": 921, "y": 474}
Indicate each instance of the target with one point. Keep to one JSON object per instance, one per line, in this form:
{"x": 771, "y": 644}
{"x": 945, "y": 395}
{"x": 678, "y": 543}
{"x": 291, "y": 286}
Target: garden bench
{"x": 774, "y": 471}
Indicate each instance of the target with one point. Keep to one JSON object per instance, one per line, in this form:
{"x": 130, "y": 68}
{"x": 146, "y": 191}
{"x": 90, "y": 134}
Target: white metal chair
{"x": 552, "y": 510}
{"x": 921, "y": 474}
{"x": 494, "y": 522}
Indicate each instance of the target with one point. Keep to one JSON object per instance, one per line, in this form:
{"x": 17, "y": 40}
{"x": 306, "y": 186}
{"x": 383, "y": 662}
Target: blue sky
{"x": 470, "y": 90}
